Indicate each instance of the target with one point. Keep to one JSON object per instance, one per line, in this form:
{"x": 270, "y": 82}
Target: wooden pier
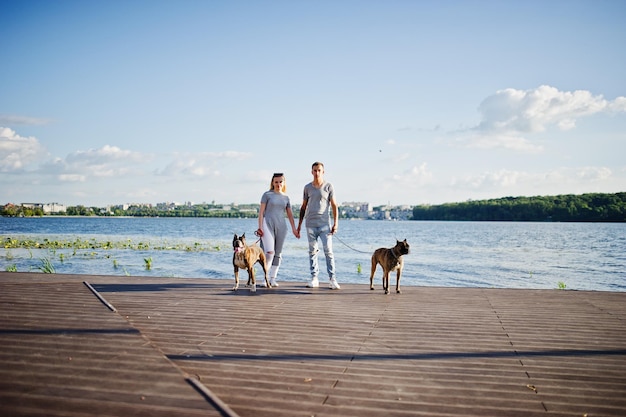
{"x": 73, "y": 345}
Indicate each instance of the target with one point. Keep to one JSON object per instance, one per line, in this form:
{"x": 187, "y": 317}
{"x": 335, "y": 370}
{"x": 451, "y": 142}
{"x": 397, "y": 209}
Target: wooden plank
{"x": 293, "y": 351}
{"x": 62, "y": 353}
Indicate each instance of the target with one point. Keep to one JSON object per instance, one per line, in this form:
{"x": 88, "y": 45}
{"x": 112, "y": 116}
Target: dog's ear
{"x": 235, "y": 237}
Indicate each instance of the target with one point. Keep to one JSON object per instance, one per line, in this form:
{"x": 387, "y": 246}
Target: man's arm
{"x": 333, "y": 204}
{"x": 302, "y": 213}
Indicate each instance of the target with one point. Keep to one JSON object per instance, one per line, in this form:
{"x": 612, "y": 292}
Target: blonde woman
{"x": 272, "y": 226}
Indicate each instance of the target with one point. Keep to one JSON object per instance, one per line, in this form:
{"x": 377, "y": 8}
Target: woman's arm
{"x": 295, "y": 231}
{"x": 259, "y": 231}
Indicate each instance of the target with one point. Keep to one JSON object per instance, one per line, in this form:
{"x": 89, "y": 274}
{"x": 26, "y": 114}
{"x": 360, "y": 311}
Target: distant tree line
{"x": 196, "y": 210}
{"x": 11, "y": 210}
{"x": 594, "y": 207}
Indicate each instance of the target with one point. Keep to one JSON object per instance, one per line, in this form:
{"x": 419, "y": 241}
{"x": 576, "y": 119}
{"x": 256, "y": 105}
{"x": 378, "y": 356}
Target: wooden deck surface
{"x": 74, "y": 345}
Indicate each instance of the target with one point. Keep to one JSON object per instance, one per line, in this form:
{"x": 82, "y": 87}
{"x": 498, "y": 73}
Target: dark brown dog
{"x": 245, "y": 257}
{"x": 390, "y": 259}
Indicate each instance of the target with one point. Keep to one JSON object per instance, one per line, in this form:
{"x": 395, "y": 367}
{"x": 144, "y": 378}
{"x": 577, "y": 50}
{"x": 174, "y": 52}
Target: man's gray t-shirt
{"x": 318, "y": 204}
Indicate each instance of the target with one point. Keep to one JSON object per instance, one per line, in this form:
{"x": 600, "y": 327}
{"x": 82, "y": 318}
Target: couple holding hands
{"x": 317, "y": 202}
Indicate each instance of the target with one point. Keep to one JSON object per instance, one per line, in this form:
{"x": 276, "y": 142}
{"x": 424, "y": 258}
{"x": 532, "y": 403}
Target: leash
{"x": 348, "y": 246}
{"x": 258, "y": 233}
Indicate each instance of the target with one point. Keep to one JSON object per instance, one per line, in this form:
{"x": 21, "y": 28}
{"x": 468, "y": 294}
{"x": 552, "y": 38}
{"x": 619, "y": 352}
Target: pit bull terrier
{"x": 390, "y": 259}
{"x": 245, "y": 257}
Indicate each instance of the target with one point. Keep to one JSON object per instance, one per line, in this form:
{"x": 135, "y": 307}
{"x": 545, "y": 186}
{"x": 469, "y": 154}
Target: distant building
{"x": 54, "y": 208}
{"x": 46, "y": 208}
{"x": 32, "y": 205}
{"x": 167, "y": 206}
{"x": 389, "y": 212}
{"x": 356, "y": 210}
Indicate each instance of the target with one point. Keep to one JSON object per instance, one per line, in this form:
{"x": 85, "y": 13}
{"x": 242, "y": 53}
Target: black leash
{"x": 348, "y": 246}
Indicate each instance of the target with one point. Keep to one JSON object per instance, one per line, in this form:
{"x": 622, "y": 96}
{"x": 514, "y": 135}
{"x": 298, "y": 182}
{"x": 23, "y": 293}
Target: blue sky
{"x": 405, "y": 102}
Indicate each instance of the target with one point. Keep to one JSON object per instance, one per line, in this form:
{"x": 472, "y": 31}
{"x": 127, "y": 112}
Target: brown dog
{"x": 245, "y": 257}
{"x": 390, "y": 259}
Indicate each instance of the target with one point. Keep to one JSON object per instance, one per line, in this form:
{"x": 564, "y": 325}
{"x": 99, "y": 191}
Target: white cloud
{"x": 560, "y": 178}
{"x": 509, "y": 116}
{"x": 487, "y": 180}
{"x": 416, "y": 175}
{"x": 396, "y": 159}
{"x": 618, "y": 105}
{"x": 194, "y": 167}
{"x": 535, "y": 110}
{"x": 17, "y": 152}
{"x": 72, "y": 178}
{"x": 594, "y": 173}
{"x": 108, "y": 161}
{"x": 7, "y": 119}
{"x": 104, "y": 155}
{"x": 200, "y": 165}
{"x": 511, "y": 142}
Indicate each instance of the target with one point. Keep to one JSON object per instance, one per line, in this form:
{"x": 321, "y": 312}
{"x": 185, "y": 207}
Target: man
{"x": 318, "y": 199}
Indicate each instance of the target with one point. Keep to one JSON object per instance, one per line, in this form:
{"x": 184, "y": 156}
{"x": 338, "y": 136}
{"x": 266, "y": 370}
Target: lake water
{"x": 580, "y": 256}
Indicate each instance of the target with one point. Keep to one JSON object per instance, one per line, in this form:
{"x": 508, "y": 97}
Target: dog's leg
{"x": 398, "y": 279}
{"x": 374, "y": 264}
{"x": 386, "y": 281}
{"x": 251, "y": 278}
{"x": 236, "y": 279}
{"x": 249, "y": 268}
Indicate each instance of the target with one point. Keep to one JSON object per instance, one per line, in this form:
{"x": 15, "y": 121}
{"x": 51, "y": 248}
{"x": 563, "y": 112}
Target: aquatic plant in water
{"x": 46, "y": 266}
{"x": 82, "y": 243}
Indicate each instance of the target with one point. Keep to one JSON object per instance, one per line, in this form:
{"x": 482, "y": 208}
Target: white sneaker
{"x": 333, "y": 284}
{"x": 273, "y": 282}
{"x": 314, "y": 283}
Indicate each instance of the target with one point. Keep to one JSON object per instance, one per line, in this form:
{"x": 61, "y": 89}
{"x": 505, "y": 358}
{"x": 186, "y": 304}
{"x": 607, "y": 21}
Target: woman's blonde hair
{"x": 276, "y": 175}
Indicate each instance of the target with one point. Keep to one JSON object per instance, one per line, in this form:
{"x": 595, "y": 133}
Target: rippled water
{"x": 582, "y": 256}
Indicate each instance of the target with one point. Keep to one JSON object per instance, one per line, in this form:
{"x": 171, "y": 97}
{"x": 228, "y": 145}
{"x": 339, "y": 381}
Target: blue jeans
{"x": 323, "y": 233}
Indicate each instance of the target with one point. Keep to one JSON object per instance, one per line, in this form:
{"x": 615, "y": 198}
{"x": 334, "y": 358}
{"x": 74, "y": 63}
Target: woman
{"x": 272, "y": 225}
